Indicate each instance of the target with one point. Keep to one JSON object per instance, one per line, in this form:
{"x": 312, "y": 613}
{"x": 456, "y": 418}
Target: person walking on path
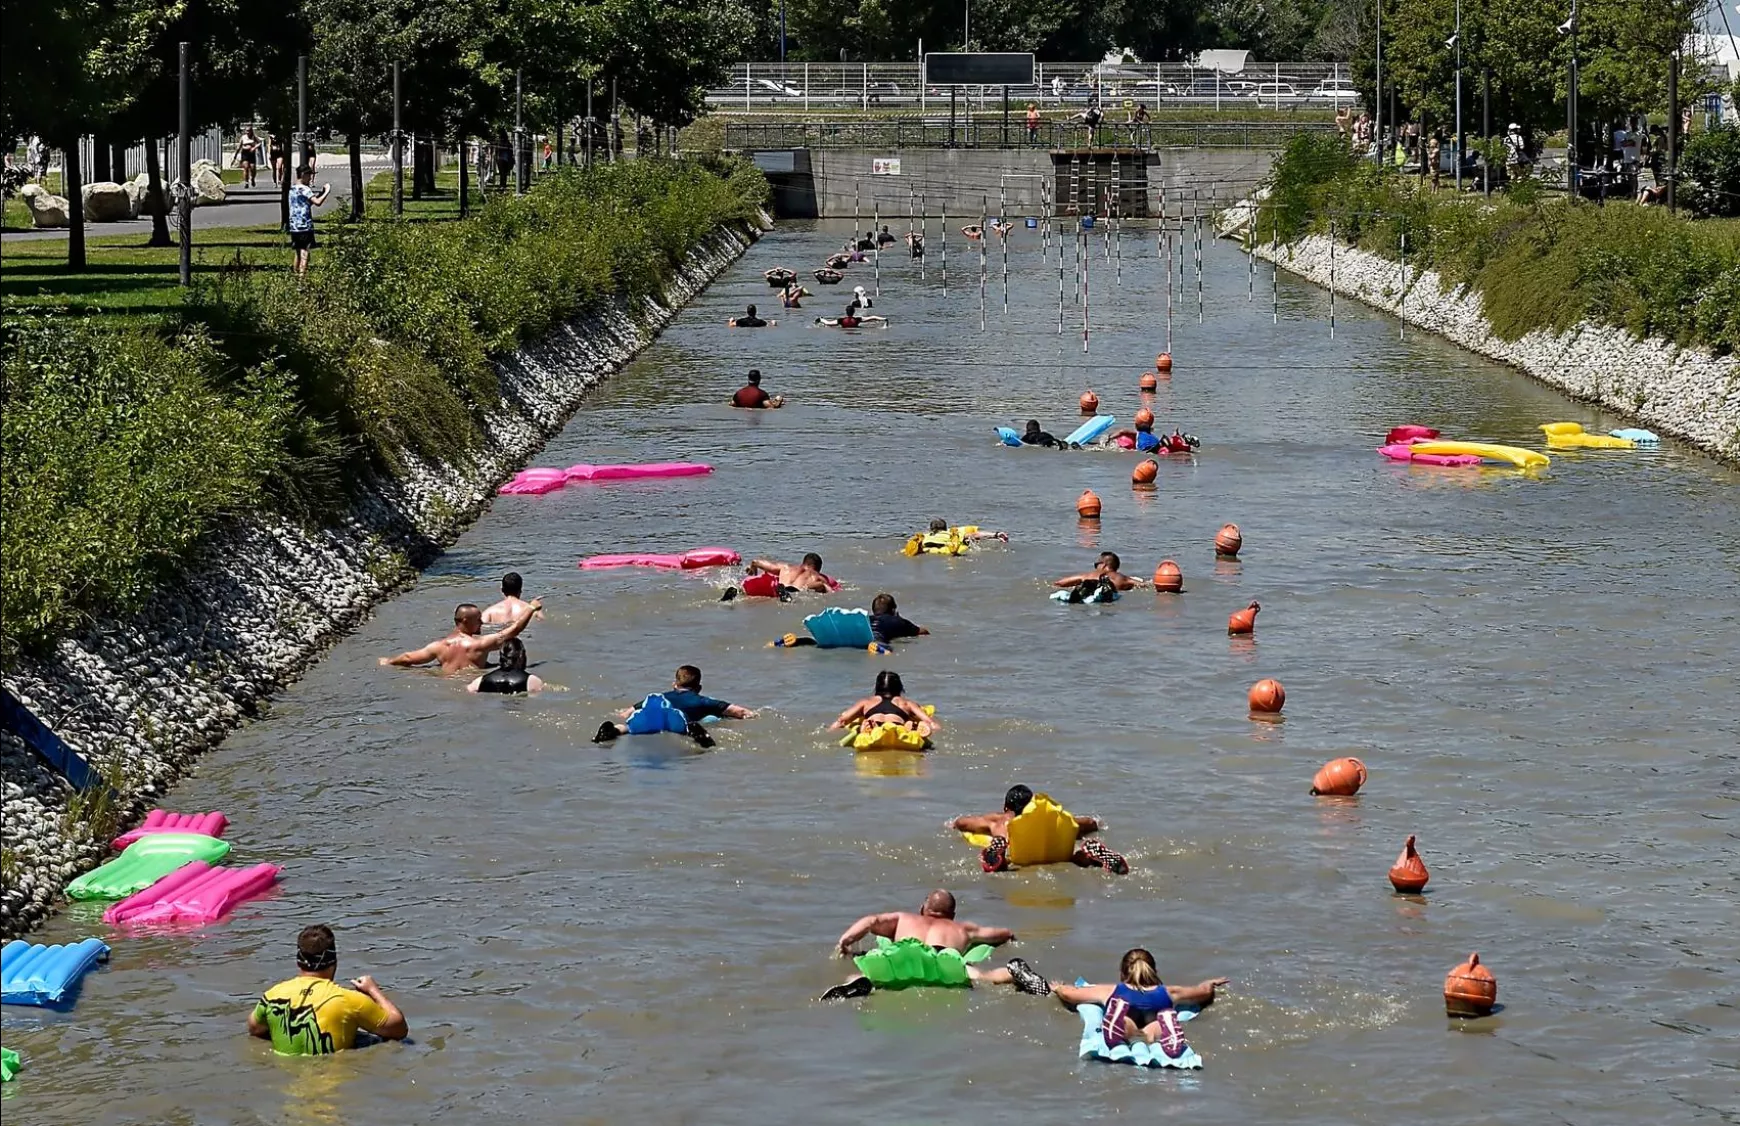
{"x": 303, "y": 200}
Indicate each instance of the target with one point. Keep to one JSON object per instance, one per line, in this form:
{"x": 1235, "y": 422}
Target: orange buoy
{"x": 1243, "y": 621}
{"x": 1090, "y": 402}
{"x": 1339, "y": 778}
{"x": 1163, "y": 362}
{"x": 1087, "y": 506}
{"x": 1267, "y": 696}
{"x": 1470, "y": 990}
{"x": 1144, "y": 417}
{"x": 1408, "y": 874}
{"x": 1168, "y": 579}
{"x": 1145, "y": 472}
{"x": 1228, "y": 541}
{"x": 1148, "y": 382}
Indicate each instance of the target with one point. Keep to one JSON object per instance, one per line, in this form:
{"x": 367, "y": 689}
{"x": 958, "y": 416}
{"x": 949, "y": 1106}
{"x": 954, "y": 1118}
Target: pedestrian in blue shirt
{"x": 303, "y": 200}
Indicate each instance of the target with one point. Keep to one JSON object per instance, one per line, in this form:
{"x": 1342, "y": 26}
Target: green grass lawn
{"x": 125, "y": 277}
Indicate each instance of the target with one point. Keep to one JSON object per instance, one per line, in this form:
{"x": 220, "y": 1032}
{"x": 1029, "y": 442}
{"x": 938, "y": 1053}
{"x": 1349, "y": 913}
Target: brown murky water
{"x": 1539, "y": 672}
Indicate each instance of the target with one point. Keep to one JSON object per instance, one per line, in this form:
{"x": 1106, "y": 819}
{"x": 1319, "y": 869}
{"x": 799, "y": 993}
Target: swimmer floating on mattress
{"x": 942, "y": 539}
{"x": 685, "y": 696}
{"x": 1090, "y": 852}
{"x": 888, "y": 705}
{"x": 887, "y": 625}
{"x": 936, "y": 930}
{"x": 1138, "y": 1007}
{"x": 1105, "y": 574}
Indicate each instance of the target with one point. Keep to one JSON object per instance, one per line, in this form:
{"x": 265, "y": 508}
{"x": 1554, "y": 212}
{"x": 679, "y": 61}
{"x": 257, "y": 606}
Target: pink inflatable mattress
{"x": 1398, "y": 451}
{"x": 163, "y": 821}
{"x": 193, "y": 893}
{"x": 687, "y": 561}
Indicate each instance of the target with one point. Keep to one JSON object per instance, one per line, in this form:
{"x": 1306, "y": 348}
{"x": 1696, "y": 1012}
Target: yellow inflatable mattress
{"x": 1043, "y": 833}
{"x": 1523, "y": 459}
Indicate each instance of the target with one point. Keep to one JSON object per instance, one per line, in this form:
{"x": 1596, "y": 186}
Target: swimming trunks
{"x": 310, "y": 1016}
{"x": 507, "y": 682}
{"x": 750, "y": 396}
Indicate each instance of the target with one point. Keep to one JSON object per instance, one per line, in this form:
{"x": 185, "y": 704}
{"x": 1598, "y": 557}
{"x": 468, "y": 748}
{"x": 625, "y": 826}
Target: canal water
{"x": 1538, "y": 671}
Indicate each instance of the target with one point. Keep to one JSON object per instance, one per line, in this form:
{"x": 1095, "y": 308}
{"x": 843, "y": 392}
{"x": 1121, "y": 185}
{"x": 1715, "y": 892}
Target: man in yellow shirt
{"x": 310, "y": 1016}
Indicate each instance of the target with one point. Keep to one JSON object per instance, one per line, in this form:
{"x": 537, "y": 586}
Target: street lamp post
{"x": 1569, "y": 27}
{"x": 1461, "y": 137}
{"x": 1378, "y": 110}
{"x": 967, "y": 27}
{"x": 782, "y": 36}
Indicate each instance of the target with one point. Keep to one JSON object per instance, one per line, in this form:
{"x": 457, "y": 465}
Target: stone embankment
{"x": 1685, "y": 392}
{"x": 141, "y": 698}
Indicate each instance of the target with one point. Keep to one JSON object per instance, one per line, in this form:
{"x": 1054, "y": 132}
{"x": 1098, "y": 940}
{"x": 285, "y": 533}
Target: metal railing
{"x": 988, "y": 132}
{"x": 868, "y": 86}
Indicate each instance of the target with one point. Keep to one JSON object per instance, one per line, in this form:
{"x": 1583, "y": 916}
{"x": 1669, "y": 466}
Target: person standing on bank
{"x": 303, "y": 200}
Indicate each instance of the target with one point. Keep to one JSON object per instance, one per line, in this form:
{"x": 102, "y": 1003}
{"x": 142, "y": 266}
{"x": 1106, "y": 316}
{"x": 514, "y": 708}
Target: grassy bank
{"x": 127, "y": 439}
{"x": 1536, "y": 262}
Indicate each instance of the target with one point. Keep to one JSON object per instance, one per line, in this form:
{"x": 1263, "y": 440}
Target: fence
{"x": 866, "y": 86}
{"x": 988, "y": 132}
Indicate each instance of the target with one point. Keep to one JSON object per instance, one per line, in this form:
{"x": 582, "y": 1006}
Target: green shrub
{"x": 123, "y": 446}
{"x": 119, "y": 450}
{"x": 1535, "y": 263}
{"x": 1709, "y": 172}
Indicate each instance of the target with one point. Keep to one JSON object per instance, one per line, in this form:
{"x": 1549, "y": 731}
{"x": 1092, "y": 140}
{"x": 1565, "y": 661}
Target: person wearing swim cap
{"x": 805, "y": 576}
{"x": 1090, "y": 852}
{"x": 466, "y": 647}
{"x": 309, "y": 1015}
{"x": 509, "y": 677}
{"x": 884, "y": 237}
{"x": 1138, "y": 1007}
{"x": 888, "y": 705}
{"x": 1105, "y": 572}
{"x": 934, "y": 925}
{"x": 861, "y": 299}
{"x": 511, "y": 604}
{"x": 749, "y": 320}
{"x": 887, "y": 625}
{"x": 685, "y": 696}
{"x": 751, "y": 397}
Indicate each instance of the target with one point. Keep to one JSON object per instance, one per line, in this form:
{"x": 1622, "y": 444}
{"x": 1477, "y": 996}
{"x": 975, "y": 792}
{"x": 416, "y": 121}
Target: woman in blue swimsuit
{"x": 1138, "y": 1007}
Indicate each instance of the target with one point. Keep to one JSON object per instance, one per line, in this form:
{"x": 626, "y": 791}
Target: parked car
{"x": 1273, "y": 92}
{"x": 1336, "y": 89}
{"x": 1156, "y": 89}
{"x": 777, "y": 89}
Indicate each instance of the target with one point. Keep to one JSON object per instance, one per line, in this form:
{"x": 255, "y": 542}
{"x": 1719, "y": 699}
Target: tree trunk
{"x": 72, "y": 184}
{"x": 356, "y": 177}
{"x": 118, "y": 161}
{"x": 464, "y": 179}
{"x": 154, "y": 201}
{"x": 101, "y": 155}
{"x": 292, "y": 153}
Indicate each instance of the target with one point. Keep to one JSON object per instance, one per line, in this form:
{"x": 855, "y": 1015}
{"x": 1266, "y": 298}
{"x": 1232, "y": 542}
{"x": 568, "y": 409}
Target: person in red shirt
{"x": 751, "y": 396}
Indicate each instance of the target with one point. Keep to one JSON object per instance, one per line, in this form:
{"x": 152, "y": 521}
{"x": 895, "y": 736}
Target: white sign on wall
{"x": 885, "y": 166}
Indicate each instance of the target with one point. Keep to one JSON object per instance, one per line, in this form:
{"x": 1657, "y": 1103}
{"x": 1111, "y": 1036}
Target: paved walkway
{"x": 242, "y": 207}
